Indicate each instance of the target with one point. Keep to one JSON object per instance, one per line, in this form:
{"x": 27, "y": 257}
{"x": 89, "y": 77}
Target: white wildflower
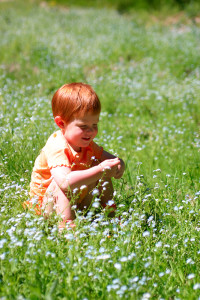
{"x": 95, "y": 204}
{"x": 110, "y": 202}
{"x": 159, "y": 244}
{"x": 123, "y": 259}
{"x": 83, "y": 187}
{"x": 189, "y": 261}
{"x": 2, "y": 242}
{"x": 146, "y": 233}
{"x": 2, "y": 256}
{"x": 95, "y": 192}
{"x": 146, "y": 296}
{"x": 103, "y": 256}
{"x": 196, "y": 286}
{"x": 69, "y": 236}
{"x": 117, "y": 266}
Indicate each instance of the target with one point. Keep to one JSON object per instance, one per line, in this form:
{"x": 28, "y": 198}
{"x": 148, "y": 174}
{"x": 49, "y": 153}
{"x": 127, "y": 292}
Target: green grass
{"x": 147, "y": 76}
{"x": 128, "y": 6}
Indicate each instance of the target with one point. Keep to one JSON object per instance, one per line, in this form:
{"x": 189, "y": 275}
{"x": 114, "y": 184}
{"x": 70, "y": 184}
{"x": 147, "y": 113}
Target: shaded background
{"x": 123, "y": 6}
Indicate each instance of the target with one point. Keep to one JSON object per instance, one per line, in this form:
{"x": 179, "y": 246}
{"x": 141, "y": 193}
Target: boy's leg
{"x": 55, "y": 198}
{"x": 48, "y": 201}
{"x": 106, "y": 192}
{"x": 87, "y": 200}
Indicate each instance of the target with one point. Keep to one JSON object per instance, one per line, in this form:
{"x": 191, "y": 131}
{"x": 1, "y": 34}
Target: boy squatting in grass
{"x": 70, "y": 159}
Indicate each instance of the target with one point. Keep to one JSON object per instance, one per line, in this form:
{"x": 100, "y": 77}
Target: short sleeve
{"x": 56, "y": 152}
{"x": 97, "y": 150}
{"x": 57, "y": 158}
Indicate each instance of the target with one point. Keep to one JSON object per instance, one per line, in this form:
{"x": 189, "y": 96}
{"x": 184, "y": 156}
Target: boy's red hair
{"x": 74, "y": 100}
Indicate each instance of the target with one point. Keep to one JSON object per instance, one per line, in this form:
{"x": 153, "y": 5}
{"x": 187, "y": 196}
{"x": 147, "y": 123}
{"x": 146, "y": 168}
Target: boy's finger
{"x": 115, "y": 164}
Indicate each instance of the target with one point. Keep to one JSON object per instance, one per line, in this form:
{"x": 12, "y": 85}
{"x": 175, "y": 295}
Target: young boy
{"x": 70, "y": 161}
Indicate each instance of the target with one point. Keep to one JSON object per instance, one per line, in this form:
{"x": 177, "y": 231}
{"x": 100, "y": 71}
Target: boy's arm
{"x": 120, "y": 167}
{"x": 66, "y": 178}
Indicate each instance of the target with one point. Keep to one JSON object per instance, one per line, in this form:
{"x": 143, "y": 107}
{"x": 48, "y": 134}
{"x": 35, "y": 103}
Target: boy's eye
{"x": 84, "y": 127}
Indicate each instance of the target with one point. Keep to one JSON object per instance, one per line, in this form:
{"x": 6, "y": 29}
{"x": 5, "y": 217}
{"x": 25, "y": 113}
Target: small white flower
{"x": 97, "y": 199}
{"x": 75, "y": 278}
{"x": 196, "y": 286}
{"x": 102, "y": 250}
{"x": 103, "y": 256}
{"x": 146, "y": 233}
{"x": 95, "y": 204}
{"x": 69, "y": 236}
{"x": 159, "y": 244}
{"x": 135, "y": 279}
{"x": 117, "y": 266}
{"x": 19, "y": 243}
{"x": 123, "y": 259}
{"x": 95, "y": 192}
{"x": 147, "y": 196}
{"x": 189, "y": 261}
{"x": 110, "y": 202}
{"x": 150, "y": 219}
{"x": 3, "y": 256}
{"x": 157, "y": 170}
{"x": 83, "y": 187}
{"x": 34, "y": 201}
{"x": 191, "y": 276}
{"x": 146, "y": 265}
{"x": 146, "y": 296}
{"x": 2, "y": 242}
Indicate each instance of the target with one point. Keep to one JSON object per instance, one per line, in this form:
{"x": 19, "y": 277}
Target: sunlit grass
{"x": 147, "y": 76}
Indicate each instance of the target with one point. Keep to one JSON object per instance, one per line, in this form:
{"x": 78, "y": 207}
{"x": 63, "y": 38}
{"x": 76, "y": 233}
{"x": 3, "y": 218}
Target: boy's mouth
{"x": 86, "y": 139}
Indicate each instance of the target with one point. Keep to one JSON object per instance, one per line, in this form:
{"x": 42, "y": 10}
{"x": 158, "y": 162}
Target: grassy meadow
{"x": 146, "y": 70}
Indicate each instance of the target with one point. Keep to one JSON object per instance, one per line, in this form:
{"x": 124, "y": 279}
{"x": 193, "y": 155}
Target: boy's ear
{"x": 59, "y": 122}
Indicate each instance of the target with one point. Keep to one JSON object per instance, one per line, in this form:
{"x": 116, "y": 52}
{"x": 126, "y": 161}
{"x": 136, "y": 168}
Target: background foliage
{"x": 124, "y": 6}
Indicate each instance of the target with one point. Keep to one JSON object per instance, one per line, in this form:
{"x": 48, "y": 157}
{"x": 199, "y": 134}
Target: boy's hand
{"x": 110, "y": 167}
{"x": 120, "y": 169}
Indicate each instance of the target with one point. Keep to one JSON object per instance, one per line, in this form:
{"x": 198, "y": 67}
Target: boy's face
{"x": 81, "y": 131}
